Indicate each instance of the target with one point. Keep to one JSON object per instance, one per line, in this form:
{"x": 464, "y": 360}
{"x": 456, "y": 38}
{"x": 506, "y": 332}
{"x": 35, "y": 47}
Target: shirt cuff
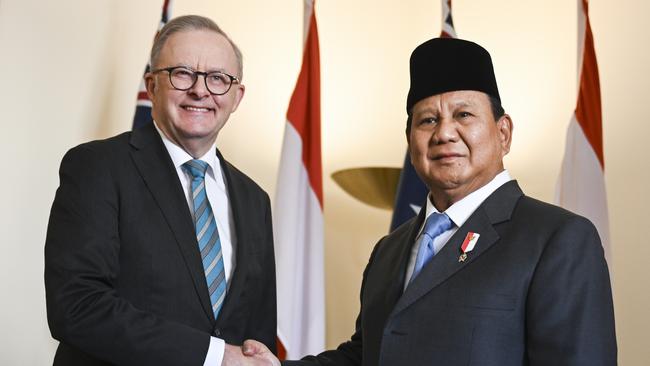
{"x": 215, "y": 352}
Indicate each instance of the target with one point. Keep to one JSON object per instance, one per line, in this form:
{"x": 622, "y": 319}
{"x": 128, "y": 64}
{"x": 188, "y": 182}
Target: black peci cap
{"x": 442, "y": 65}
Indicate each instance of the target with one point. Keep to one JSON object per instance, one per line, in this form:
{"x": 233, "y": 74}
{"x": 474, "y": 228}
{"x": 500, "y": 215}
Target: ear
{"x": 407, "y": 131}
{"x": 504, "y": 129}
{"x": 150, "y": 84}
{"x": 239, "y": 94}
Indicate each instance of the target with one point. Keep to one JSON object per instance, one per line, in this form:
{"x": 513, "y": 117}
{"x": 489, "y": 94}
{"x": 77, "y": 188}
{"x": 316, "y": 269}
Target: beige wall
{"x": 70, "y": 72}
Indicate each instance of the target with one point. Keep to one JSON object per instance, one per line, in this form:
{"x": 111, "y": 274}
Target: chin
{"x": 445, "y": 182}
{"x": 195, "y": 135}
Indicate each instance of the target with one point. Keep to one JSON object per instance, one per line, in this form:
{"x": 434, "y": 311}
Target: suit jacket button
{"x": 217, "y": 332}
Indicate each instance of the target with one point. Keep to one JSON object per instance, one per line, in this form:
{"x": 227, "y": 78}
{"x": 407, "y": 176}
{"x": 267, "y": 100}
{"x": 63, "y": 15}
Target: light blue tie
{"x": 437, "y": 224}
{"x": 207, "y": 235}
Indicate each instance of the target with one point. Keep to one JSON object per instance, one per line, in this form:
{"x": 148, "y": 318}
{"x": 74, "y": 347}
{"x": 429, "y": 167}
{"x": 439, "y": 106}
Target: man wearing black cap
{"x": 484, "y": 275}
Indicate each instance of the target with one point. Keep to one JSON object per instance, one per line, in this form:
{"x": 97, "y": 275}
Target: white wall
{"x": 70, "y": 73}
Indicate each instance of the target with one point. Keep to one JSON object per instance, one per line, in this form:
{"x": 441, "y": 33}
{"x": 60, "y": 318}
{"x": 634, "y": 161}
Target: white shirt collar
{"x": 460, "y": 211}
{"x": 180, "y": 156}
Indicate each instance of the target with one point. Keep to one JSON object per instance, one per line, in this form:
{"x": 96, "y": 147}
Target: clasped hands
{"x": 250, "y": 353}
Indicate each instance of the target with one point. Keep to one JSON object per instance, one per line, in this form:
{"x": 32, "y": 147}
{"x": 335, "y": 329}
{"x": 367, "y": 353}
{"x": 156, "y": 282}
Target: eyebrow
{"x": 458, "y": 104}
{"x": 463, "y": 103}
{"x": 220, "y": 69}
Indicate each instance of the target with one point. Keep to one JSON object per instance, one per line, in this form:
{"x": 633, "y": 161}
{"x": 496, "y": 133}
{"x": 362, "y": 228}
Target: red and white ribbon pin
{"x": 468, "y": 245}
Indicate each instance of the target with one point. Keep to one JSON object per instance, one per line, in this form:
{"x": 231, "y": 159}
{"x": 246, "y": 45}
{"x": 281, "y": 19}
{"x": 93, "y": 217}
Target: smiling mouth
{"x": 190, "y": 108}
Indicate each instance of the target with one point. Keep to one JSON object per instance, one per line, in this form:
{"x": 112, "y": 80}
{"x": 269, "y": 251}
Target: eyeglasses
{"x": 184, "y": 78}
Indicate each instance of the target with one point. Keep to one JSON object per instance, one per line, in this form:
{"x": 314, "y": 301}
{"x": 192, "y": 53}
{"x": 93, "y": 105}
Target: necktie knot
{"x": 437, "y": 224}
{"x": 196, "y": 168}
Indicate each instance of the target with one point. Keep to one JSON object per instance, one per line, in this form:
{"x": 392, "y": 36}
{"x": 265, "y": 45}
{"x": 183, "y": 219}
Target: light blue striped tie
{"x": 207, "y": 235}
{"x": 437, "y": 224}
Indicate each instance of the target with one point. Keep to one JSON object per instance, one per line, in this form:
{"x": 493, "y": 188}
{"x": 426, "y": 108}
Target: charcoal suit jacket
{"x": 535, "y": 290}
{"x": 123, "y": 274}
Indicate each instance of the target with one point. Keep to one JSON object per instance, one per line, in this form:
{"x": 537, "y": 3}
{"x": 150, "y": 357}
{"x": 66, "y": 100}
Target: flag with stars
{"x": 143, "y": 106}
{"x": 411, "y": 191}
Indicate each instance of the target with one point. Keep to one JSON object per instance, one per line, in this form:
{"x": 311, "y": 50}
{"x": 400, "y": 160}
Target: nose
{"x": 199, "y": 89}
{"x": 445, "y": 131}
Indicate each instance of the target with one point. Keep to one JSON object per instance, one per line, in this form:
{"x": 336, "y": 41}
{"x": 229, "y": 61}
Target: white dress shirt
{"x": 459, "y": 212}
{"x": 217, "y": 193}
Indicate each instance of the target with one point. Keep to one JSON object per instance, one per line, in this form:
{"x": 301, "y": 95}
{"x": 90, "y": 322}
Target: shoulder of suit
{"x": 107, "y": 149}
{"x": 239, "y": 178}
{"x": 533, "y": 204}
{"x": 400, "y": 234}
{"x": 544, "y": 212}
{"x": 108, "y": 144}
{"x": 404, "y": 228}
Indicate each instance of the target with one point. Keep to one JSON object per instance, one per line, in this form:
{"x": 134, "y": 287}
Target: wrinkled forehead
{"x": 453, "y": 100}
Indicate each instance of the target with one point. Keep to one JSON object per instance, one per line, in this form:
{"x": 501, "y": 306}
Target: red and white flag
{"x": 298, "y": 212}
{"x": 581, "y": 184}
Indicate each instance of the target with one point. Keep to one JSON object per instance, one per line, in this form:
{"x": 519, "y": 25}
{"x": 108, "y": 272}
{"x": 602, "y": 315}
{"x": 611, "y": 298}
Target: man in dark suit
{"x": 159, "y": 251}
{"x": 484, "y": 275}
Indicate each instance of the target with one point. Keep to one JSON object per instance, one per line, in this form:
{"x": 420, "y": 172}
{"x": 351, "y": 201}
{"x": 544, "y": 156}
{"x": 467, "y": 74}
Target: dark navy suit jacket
{"x": 534, "y": 291}
{"x": 123, "y": 274}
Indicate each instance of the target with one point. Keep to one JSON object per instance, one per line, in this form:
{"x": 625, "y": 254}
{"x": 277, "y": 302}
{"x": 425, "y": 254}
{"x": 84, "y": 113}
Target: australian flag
{"x": 411, "y": 195}
{"x": 411, "y": 191}
{"x": 143, "y": 106}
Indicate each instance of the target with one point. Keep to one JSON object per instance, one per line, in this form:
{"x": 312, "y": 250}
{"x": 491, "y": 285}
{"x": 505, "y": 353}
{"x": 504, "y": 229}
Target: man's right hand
{"x": 252, "y": 348}
{"x": 255, "y": 354}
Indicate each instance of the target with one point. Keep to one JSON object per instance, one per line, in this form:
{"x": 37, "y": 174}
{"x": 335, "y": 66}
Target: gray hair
{"x": 187, "y": 23}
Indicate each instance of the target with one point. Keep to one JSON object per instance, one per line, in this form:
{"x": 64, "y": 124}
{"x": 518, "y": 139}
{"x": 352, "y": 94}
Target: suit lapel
{"x": 237, "y": 199}
{"x": 444, "y": 264}
{"x": 496, "y": 208}
{"x": 399, "y": 272}
{"x": 157, "y": 170}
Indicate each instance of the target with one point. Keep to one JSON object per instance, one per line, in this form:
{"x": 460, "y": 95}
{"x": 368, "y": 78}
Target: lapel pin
{"x": 468, "y": 245}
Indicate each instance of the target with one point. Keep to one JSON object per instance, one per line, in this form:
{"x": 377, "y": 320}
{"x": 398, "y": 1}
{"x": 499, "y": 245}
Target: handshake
{"x": 250, "y": 353}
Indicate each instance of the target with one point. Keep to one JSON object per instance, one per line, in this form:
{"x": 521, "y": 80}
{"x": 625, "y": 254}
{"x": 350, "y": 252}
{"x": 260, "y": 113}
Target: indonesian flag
{"x": 298, "y": 212}
{"x": 581, "y": 184}
{"x": 142, "y": 114}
